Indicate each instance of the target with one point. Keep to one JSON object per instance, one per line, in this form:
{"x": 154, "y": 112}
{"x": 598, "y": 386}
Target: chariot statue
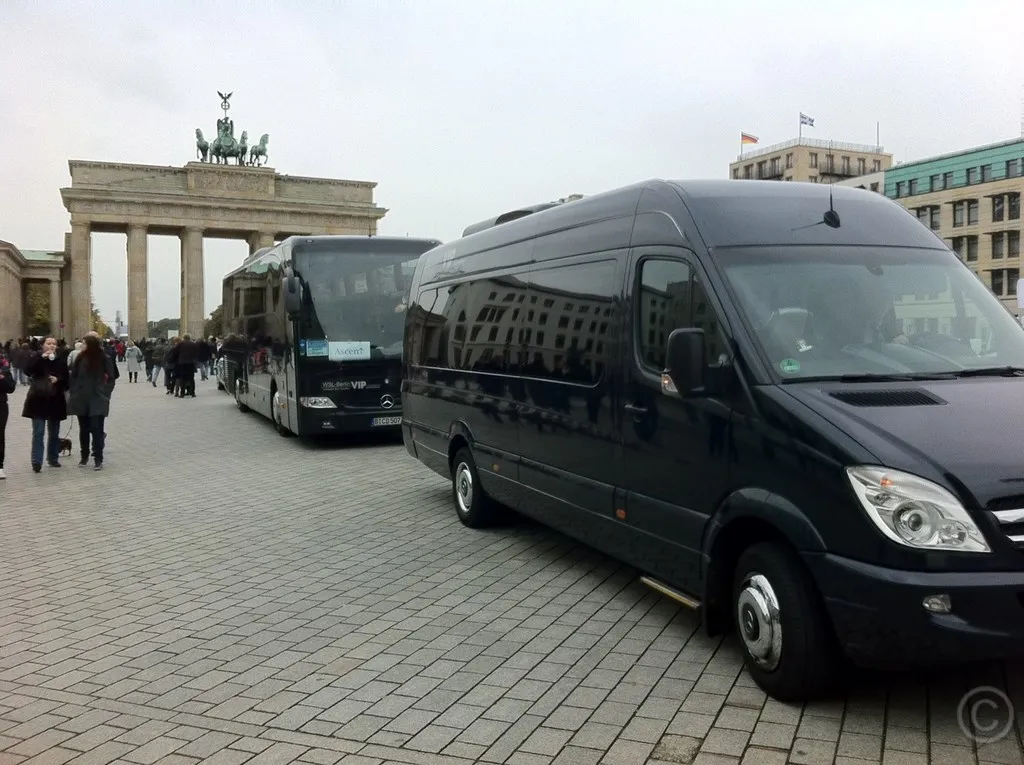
{"x": 225, "y": 145}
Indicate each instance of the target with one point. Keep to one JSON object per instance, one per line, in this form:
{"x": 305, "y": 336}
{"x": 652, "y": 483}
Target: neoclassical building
{"x": 20, "y": 268}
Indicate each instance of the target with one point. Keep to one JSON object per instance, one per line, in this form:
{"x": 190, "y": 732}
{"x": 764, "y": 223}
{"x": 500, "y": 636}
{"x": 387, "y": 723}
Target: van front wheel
{"x": 474, "y": 508}
{"x": 781, "y": 623}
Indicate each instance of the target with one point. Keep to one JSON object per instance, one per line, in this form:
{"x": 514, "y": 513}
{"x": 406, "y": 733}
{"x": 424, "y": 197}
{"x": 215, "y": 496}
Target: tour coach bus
{"x": 313, "y": 332}
{"x": 796, "y": 413}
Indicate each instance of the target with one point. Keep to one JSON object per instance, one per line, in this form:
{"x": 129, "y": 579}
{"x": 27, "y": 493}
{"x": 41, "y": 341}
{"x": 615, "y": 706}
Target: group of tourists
{"x": 62, "y": 381}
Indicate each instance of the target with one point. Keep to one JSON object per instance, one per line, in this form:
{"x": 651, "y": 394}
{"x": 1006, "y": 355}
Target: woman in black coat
{"x": 45, "y": 404}
{"x": 93, "y": 375}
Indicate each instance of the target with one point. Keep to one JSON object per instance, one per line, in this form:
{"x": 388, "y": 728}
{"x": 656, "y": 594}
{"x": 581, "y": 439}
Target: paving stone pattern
{"x": 221, "y": 594}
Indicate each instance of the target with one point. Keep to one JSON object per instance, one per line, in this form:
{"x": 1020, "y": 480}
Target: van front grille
{"x": 1011, "y": 521}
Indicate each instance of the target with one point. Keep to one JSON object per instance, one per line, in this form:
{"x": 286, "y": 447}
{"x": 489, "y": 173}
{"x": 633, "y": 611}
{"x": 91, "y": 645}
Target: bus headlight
{"x": 316, "y": 402}
{"x": 914, "y": 512}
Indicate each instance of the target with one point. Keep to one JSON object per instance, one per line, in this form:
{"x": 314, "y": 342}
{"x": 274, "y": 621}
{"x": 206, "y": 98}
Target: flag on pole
{"x": 747, "y": 138}
{"x": 805, "y": 120}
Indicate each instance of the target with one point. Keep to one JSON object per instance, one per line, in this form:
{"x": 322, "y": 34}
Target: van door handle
{"x": 637, "y": 410}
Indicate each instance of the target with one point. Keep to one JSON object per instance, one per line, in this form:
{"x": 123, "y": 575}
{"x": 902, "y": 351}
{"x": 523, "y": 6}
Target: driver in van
{"x": 855, "y": 313}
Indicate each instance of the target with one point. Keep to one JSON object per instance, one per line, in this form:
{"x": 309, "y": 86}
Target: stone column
{"x": 65, "y": 289}
{"x": 55, "y": 308}
{"x": 192, "y": 293}
{"x": 260, "y": 239}
{"x": 138, "y": 283}
{"x": 81, "y": 280}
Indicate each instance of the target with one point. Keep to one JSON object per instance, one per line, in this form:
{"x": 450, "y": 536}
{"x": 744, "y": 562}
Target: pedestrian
{"x": 133, "y": 355}
{"x": 159, "y": 354}
{"x": 7, "y": 385}
{"x": 92, "y": 383}
{"x": 185, "y": 367}
{"x": 45, "y": 404}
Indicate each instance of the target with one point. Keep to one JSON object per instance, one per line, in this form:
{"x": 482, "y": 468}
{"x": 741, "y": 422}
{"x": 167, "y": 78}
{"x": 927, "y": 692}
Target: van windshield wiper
{"x": 991, "y": 372}
{"x": 878, "y": 377}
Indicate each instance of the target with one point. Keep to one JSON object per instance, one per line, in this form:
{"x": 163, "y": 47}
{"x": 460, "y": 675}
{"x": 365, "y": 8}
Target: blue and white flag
{"x": 805, "y": 120}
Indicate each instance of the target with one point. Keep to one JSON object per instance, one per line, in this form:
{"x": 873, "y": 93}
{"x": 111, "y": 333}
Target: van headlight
{"x": 915, "y": 512}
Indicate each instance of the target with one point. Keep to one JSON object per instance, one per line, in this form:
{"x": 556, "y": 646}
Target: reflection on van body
{"x": 810, "y": 433}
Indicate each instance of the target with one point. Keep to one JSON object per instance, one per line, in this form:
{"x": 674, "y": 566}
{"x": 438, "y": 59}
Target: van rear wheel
{"x": 474, "y": 508}
{"x": 787, "y": 641}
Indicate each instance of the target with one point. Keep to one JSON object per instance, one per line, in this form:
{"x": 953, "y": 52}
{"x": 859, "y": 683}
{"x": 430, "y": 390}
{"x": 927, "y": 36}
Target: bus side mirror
{"x": 292, "y": 296}
{"x": 686, "y": 363}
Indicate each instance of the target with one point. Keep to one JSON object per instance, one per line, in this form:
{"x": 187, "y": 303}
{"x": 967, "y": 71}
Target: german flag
{"x": 747, "y": 138}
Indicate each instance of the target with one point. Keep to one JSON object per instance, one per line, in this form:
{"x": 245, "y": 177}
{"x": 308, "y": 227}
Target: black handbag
{"x": 41, "y": 387}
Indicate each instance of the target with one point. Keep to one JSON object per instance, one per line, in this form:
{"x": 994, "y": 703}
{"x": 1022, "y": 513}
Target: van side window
{"x": 480, "y": 324}
{"x": 552, "y": 345}
{"x": 669, "y": 297}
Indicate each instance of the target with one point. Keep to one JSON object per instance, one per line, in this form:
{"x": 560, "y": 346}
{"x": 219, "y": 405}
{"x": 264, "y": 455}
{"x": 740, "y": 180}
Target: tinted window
{"x": 671, "y": 297}
{"x": 481, "y": 318}
{"x": 553, "y": 344}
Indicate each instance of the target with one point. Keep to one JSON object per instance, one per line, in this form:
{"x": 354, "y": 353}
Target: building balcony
{"x": 838, "y": 171}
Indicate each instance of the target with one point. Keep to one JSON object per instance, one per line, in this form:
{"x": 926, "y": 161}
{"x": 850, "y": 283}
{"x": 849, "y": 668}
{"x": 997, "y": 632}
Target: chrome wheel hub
{"x": 464, "y": 488}
{"x": 759, "y": 621}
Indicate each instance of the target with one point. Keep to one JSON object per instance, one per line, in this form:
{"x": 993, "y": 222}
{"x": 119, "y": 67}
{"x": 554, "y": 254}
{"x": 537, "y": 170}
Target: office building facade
{"x": 811, "y": 160}
{"x": 972, "y": 200}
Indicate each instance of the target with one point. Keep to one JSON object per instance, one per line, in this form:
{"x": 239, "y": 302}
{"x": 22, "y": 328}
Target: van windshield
{"x": 831, "y": 312}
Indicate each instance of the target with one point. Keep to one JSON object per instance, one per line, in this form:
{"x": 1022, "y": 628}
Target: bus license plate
{"x": 377, "y": 422}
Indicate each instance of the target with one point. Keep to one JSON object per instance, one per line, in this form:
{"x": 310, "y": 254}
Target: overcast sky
{"x": 462, "y": 109}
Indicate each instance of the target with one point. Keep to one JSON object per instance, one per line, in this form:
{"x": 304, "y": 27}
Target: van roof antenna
{"x": 831, "y": 217}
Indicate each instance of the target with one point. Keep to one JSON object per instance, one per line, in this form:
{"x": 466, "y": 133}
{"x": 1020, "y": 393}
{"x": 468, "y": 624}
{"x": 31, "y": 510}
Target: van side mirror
{"x": 292, "y": 296}
{"x": 686, "y": 363}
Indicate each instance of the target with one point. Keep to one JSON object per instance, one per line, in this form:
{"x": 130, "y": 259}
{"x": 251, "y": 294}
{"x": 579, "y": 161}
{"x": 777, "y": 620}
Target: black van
{"x": 790, "y": 406}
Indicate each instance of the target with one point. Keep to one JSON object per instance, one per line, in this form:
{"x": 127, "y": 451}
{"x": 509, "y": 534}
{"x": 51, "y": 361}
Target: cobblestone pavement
{"x": 221, "y": 594}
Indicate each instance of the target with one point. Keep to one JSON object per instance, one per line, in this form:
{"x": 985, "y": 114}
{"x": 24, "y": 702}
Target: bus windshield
{"x": 355, "y": 300}
{"x": 825, "y": 312}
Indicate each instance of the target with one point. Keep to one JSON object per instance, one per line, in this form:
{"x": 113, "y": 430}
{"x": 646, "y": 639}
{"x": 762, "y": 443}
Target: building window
{"x": 972, "y": 212}
{"x": 972, "y": 175}
{"x": 1013, "y": 244}
{"x": 789, "y": 161}
{"x": 899, "y": 189}
{"x": 998, "y": 282}
{"x": 972, "y": 248}
{"x": 1004, "y": 281}
{"x": 997, "y": 209}
{"x": 862, "y": 166}
{"x": 814, "y": 159}
{"x": 912, "y": 187}
{"x": 1012, "y": 168}
{"x": 1013, "y": 206}
{"x": 958, "y": 214}
{"x": 997, "y": 246}
{"x": 876, "y": 165}
{"x": 986, "y": 173}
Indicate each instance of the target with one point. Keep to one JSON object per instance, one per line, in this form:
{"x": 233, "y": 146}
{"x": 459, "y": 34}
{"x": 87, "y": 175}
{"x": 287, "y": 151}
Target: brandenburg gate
{"x": 212, "y": 197}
